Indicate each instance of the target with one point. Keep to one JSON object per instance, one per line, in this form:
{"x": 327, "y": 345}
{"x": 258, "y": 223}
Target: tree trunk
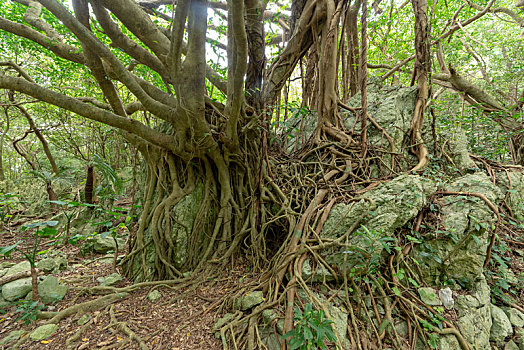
{"x": 90, "y": 183}
{"x": 190, "y": 214}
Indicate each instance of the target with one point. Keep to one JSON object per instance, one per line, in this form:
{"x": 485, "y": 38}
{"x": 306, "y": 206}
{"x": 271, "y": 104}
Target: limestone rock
{"x": 511, "y": 346}
{"x": 446, "y": 296}
{"x": 109, "y": 280}
{"x": 12, "y": 337}
{"x": 43, "y": 332}
{"x": 382, "y": 211}
{"x": 52, "y": 264}
{"x": 105, "y": 244}
{"x": 318, "y": 275}
{"x": 6, "y": 265}
{"x": 515, "y": 193}
{"x": 50, "y": 290}
{"x": 515, "y": 316}
{"x": 474, "y": 315}
{"x": 224, "y": 320}
{"x": 501, "y": 325}
{"x": 392, "y": 109}
{"x": 449, "y": 342}
{"x": 154, "y": 295}
{"x": 16, "y": 289}
{"x": 4, "y": 304}
{"x": 463, "y": 218}
{"x": 458, "y": 143}
{"x": 20, "y": 267}
{"x": 249, "y": 300}
{"x": 429, "y": 296}
{"x": 340, "y": 324}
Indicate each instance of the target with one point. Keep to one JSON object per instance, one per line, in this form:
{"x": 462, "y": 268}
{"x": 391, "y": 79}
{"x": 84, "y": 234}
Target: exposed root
{"x": 88, "y": 306}
{"x": 123, "y": 327}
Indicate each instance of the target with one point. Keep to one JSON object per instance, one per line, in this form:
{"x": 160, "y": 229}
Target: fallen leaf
{"x": 85, "y": 339}
{"x": 46, "y": 341}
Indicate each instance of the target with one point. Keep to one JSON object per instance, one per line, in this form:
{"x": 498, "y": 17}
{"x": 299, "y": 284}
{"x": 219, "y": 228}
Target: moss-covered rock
{"x": 382, "y": 211}
{"x": 457, "y": 252}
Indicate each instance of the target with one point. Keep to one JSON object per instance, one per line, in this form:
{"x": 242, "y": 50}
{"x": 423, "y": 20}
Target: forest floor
{"x": 180, "y": 319}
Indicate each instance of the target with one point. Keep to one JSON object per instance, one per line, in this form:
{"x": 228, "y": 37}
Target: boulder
{"x": 449, "y": 342}
{"x": 515, "y": 316}
{"x": 105, "y": 244}
{"x": 51, "y": 290}
{"x": 515, "y": 191}
{"x": 4, "y": 304}
{"x": 43, "y": 332}
{"x": 52, "y": 264}
{"x": 446, "y": 296}
{"x": 382, "y": 210}
{"x": 392, "y": 108}
{"x": 16, "y": 289}
{"x": 249, "y": 300}
{"x": 458, "y": 144}
{"x": 110, "y": 280}
{"x": 474, "y": 314}
{"x": 12, "y": 337}
{"x": 20, "y": 267}
{"x": 501, "y": 325}
{"x": 511, "y": 346}
{"x": 466, "y": 220}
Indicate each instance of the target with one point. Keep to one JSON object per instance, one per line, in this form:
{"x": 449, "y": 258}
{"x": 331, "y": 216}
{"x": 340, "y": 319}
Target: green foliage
{"x": 29, "y": 310}
{"x": 43, "y": 230}
{"x": 311, "y": 330}
{"x": 6, "y": 204}
{"x": 369, "y": 260}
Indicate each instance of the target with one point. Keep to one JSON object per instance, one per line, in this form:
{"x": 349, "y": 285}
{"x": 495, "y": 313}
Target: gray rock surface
{"x": 43, "y": 332}
{"x": 249, "y": 300}
{"x": 511, "y": 346}
{"x": 12, "y": 337}
{"x": 109, "y": 280}
{"x": 515, "y": 193}
{"x": 105, "y": 244}
{"x": 50, "y": 290}
{"x": 465, "y": 219}
{"x": 20, "y": 267}
{"x": 458, "y": 144}
{"x": 52, "y": 264}
{"x": 382, "y": 211}
{"x": 474, "y": 312}
{"x": 446, "y": 297}
{"x": 16, "y": 289}
{"x": 501, "y": 325}
{"x": 392, "y": 108}
{"x": 429, "y": 296}
{"x": 515, "y": 316}
{"x": 449, "y": 342}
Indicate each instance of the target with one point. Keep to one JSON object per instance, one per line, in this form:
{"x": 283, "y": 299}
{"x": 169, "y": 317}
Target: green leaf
{"x": 6, "y": 251}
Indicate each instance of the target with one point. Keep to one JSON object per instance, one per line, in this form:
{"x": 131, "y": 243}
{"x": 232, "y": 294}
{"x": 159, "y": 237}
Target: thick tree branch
{"x": 87, "y": 111}
{"x": 62, "y": 50}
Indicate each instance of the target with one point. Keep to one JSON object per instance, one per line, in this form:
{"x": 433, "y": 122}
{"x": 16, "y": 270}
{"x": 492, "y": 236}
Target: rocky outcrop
{"x": 458, "y": 250}
{"x": 382, "y": 210}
